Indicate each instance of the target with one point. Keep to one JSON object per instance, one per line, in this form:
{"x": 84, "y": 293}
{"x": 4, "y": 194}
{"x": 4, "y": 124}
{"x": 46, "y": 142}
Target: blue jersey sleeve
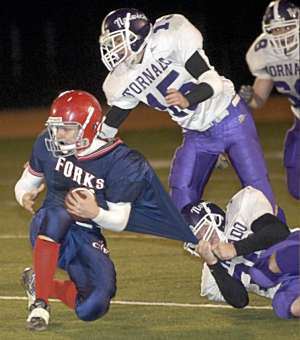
{"x": 38, "y": 155}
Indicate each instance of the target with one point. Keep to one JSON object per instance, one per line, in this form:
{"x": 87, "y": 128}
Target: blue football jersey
{"x": 116, "y": 173}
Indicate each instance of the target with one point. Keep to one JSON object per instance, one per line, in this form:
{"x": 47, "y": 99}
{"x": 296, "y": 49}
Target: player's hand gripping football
{"x": 174, "y": 97}
{"x": 81, "y": 205}
{"x": 29, "y": 198}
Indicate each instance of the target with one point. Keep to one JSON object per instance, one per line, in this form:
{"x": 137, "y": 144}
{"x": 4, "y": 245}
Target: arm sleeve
{"x": 210, "y": 82}
{"x": 233, "y": 291}
{"x": 267, "y": 231}
{"x": 26, "y": 183}
{"x": 114, "y": 219}
{"x": 112, "y": 121}
{"x": 116, "y": 116}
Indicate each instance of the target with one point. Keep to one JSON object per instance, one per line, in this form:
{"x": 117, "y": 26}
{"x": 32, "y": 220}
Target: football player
{"x": 164, "y": 66}
{"x": 236, "y": 262}
{"x": 274, "y": 61}
{"x": 127, "y": 196}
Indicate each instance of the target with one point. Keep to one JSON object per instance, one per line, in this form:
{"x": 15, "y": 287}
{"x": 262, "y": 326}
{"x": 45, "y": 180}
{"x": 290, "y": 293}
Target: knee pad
{"x": 56, "y": 223}
{"x": 94, "y": 306}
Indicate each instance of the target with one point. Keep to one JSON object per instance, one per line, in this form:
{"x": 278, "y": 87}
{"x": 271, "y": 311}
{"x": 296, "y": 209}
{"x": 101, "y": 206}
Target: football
{"x": 83, "y": 193}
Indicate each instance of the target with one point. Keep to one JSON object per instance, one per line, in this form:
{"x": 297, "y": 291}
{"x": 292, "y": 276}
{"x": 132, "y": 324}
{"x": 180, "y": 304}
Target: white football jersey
{"x": 284, "y": 71}
{"x": 173, "y": 41}
{"x": 243, "y": 209}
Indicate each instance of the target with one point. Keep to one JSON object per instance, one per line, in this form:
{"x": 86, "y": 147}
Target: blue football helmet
{"x": 281, "y": 26}
{"x": 207, "y": 222}
{"x": 124, "y": 34}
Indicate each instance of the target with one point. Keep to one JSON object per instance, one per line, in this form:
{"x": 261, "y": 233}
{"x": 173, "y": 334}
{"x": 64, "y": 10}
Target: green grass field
{"x": 150, "y": 270}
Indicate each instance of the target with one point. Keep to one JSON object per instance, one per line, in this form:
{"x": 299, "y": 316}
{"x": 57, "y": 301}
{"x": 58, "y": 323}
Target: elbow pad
{"x": 212, "y": 78}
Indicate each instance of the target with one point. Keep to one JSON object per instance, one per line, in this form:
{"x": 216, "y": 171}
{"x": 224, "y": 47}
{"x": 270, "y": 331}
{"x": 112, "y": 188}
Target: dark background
{"x": 50, "y": 46}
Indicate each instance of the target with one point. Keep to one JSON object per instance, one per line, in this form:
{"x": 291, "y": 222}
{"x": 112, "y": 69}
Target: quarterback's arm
{"x": 114, "y": 219}
{"x": 27, "y": 189}
{"x": 112, "y": 121}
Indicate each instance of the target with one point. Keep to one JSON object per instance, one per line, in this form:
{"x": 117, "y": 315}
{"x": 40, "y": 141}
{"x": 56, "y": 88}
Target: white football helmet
{"x": 124, "y": 34}
{"x": 281, "y": 24}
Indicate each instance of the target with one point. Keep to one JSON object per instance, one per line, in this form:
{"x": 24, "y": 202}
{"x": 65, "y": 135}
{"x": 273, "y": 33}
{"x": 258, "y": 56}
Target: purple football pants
{"x": 194, "y": 160}
{"x": 292, "y": 159}
{"x": 287, "y": 255}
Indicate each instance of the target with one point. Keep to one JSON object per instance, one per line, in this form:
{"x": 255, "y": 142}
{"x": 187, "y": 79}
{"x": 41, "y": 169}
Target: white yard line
{"x": 123, "y": 236}
{"x": 159, "y": 304}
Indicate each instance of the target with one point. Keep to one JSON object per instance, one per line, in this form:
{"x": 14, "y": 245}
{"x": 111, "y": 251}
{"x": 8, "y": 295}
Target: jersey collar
{"x": 99, "y": 148}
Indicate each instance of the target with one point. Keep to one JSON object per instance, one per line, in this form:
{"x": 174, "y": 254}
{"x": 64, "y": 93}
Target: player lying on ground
{"x": 127, "y": 196}
{"x": 248, "y": 250}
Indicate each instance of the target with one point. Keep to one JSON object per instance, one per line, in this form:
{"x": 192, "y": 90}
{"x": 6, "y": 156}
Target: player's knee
{"x": 56, "y": 223}
{"x": 94, "y": 307}
{"x": 282, "y": 306}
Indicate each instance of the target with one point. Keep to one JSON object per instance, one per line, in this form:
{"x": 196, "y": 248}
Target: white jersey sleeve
{"x": 243, "y": 209}
{"x": 182, "y": 38}
{"x": 181, "y": 41}
{"x": 112, "y": 86}
{"x": 256, "y": 58}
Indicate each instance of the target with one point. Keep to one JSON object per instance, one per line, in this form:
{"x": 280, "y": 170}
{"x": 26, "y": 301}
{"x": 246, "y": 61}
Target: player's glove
{"x": 222, "y": 162}
{"x": 246, "y": 92}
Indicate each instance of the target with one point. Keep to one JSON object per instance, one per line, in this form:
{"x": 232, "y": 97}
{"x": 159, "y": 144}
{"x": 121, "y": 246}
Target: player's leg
{"x": 245, "y": 151}
{"x": 190, "y": 171}
{"x": 292, "y": 159}
{"x": 47, "y": 230}
{"x": 94, "y": 276}
{"x": 286, "y": 299}
{"x": 53, "y": 228}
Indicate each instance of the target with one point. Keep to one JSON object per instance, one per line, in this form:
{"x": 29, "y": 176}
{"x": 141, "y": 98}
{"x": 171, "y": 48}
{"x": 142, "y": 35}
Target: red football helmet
{"x": 74, "y": 121}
